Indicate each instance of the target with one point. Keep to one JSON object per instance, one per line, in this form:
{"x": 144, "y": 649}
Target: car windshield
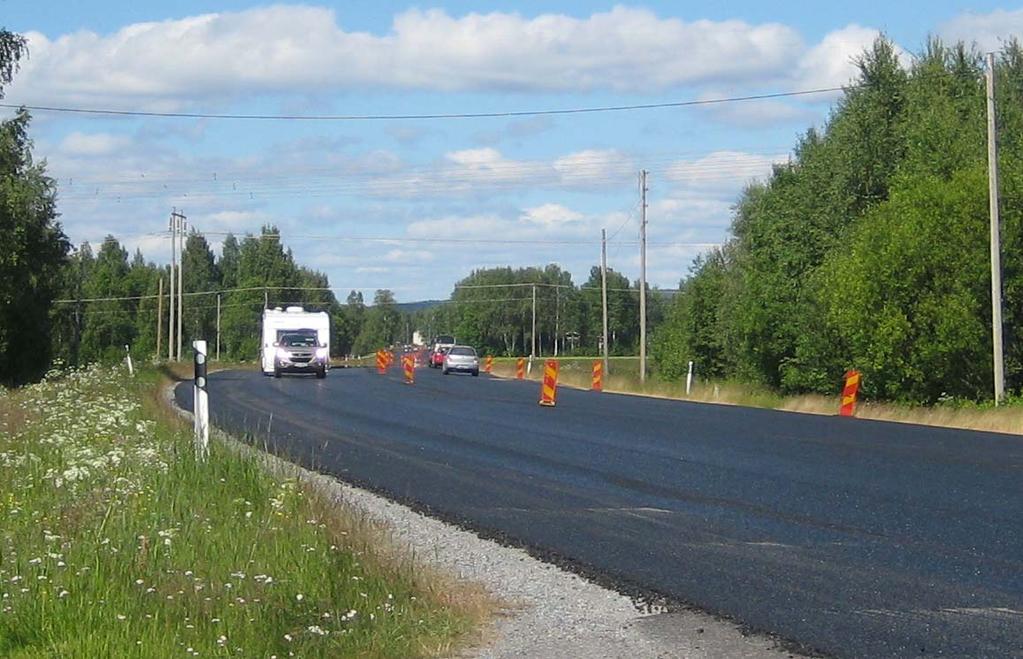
{"x": 445, "y": 339}
{"x": 299, "y": 340}
{"x": 469, "y": 352}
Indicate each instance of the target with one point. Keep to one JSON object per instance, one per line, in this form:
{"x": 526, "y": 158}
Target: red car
{"x": 437, "y": 358}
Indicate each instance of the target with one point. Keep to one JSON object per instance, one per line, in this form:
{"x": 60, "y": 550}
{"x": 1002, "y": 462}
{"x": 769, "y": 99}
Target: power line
{"x": 439, "y": 181}
{"x": 597, "y": 159}
{"x": 427, "y": 116}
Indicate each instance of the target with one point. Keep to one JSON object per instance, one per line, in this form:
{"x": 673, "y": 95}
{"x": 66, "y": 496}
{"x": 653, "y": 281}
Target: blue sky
{"x": 549, "y": 183}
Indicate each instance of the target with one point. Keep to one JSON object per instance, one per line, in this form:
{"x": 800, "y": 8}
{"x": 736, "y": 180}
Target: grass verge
{"x": 624, "y": 378}
{"x": 116, "y": 542}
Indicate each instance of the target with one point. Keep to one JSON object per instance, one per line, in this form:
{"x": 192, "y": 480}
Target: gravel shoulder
{"x": 549, "y": 611}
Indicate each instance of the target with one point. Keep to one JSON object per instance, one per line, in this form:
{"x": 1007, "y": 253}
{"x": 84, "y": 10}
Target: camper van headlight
{"x": 322, "y": 353}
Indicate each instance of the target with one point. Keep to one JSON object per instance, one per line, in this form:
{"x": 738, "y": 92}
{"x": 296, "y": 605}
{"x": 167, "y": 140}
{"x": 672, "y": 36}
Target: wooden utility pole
{"x": 642, "y": 277}
{"x": 996, "y": 251}
{"x": 159, "y": 318}
{"x": 603, "y": 290}
{"x": 557, "y": 317}
{"x": 174, "y": 247}
{"x": 182, "y": 225}
{"x": 218, "y": 327}
{"x": 532, "y": 338}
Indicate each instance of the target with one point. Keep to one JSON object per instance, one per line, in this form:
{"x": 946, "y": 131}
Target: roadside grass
{"x": 116, "y": 542}
{"x": 624, "y": 378}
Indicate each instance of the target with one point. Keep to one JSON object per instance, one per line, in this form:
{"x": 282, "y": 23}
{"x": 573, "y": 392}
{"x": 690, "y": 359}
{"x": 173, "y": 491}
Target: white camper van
{"x": 295, "y": 341}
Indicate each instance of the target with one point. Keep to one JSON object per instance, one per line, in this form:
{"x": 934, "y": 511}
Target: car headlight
{"x": 322, "y": 353}
{"x": 282, "y": 353}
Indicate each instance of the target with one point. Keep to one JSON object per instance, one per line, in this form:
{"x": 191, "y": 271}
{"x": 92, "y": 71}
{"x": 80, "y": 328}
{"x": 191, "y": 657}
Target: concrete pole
{"x": 642, "y": 277}
{"x": 603, "y": 290}
{"x": 996, "y": 256}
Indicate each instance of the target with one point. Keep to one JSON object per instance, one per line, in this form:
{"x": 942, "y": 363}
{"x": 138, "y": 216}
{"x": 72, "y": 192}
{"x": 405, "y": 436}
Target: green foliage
{"x": 869, "y": 249}
{"x": 492, "y": 309}
{"x": 382, "y": 325}
{"x": 35, "y": 247}
{"x": 121, "y": 544}
{"x": 911, "y": 294}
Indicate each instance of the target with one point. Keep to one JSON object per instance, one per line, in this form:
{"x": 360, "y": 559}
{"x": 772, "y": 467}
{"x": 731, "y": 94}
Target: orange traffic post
{"x": 549, "y": 388}
{"x": 488, "y": 364}
{"x": 598, "y": 376}
{"x": 381, "y": 362}
{"x": 849, "y": 393}
{"x": 520, "y": 368}
{"x": 409, "y": 363}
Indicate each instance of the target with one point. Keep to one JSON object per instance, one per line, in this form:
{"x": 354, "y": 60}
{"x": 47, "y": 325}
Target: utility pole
{"x": 603, "y": 289}
{"x": 159, "y": 318}
{"x": 532, "y": 336}
{"x": 181, "y": 226}
{"x": 174, "y": 246}
{"x": 218, "y": 327}
{"x": 557, "y": 318}
{"x": 642, "y": 276}
{"x": 996, "y": 250}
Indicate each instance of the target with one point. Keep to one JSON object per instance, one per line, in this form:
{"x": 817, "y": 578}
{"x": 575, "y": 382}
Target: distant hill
{"x": 411, "y": 307}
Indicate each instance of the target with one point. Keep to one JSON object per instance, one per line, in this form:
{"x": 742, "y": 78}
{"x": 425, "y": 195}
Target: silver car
{"x": 461, "y": 358}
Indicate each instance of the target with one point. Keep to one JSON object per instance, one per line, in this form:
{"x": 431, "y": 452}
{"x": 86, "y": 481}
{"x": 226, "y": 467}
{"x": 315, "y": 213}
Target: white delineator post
{"x": 689, "y": 378}
{"x": 201, "y": 409}
{"x": 127, "y": 358}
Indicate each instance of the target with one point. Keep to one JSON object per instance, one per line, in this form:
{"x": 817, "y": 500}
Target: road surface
{"x": 842, "y": 536}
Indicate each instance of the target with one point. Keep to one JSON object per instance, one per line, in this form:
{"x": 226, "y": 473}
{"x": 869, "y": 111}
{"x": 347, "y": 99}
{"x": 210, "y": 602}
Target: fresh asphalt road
{"x": 843, "y": 536}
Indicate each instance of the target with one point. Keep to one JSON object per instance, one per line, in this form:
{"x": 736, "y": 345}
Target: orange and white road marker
{"x": 520, "y": 368}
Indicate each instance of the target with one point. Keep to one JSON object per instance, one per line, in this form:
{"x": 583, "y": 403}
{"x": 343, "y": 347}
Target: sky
{"x": 415, "y": 204}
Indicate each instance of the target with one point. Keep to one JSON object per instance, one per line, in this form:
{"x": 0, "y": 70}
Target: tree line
{"x": 492, "y": 309}
{"x": 870, "y": 248}
{"x": 109, "y": 301}
{"x": 867, "y": 250}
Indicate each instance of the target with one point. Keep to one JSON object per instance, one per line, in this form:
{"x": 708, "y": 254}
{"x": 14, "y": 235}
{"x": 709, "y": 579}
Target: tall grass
{"x": 115, "y": 542}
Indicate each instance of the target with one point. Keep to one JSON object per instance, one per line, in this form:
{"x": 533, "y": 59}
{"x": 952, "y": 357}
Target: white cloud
{"x": 988, "y": 31}
{"x": 832, "y": 62}
{"x": 232, "y": 220}
{"x": 756, "y": 114}
{"x": 551, "y": 215}
{"x": 93, "y": 144}
{"x": 722, "y": 171}
{"x": 473, "y": 226}
{"x": 290, "y": 48}
{"x": 594, "y": 167}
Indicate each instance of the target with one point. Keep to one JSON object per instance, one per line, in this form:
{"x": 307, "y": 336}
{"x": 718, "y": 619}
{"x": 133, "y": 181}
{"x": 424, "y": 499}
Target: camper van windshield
{"x": 299, "y": 340}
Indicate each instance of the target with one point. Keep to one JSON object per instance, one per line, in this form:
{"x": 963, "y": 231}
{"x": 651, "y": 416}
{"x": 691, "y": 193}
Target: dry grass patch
{"x": 575, "y": 372}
